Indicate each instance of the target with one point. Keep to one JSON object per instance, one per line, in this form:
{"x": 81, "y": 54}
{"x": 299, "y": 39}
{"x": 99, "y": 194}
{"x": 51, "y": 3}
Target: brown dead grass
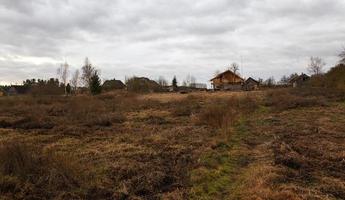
{"x": 224, "y": 112}
{"x": 301, "y": 157}
{"x": 173, "y": 97}
{"x": 285, "y": 99}
{"x": 128, "y": 146}
{"x": 27, "y": 172}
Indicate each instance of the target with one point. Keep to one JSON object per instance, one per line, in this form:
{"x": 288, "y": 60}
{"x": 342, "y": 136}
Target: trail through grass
{"x": 221, "y": 166}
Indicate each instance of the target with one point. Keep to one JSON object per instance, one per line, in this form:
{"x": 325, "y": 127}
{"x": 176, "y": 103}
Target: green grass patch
{"x": 216, "y": 176}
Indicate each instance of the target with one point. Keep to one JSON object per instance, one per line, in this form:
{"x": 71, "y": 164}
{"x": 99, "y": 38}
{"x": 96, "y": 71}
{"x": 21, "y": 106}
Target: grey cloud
{"x": 159, "y": 37}
{"x": 16, "y": 72}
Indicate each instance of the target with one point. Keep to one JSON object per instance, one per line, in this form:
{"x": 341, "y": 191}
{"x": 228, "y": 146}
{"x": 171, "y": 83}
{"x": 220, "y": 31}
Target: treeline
{"x": 51, "y": 86}
{"x": 87, "y": 80}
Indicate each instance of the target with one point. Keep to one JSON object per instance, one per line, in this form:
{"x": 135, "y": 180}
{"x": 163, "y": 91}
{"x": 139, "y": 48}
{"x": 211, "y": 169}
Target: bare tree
{"x": 286, "y": 79}
{"x": 216, "y": 73}
{"x": 316, "y": 65}
{"x": 342, "y": 56}
{"x": 190, "y": 80}
{"x": 162, "y": 81}
{"x": 184, "y": 83}
{"x": 75, "y": 80}
{"x": 87, "y": 72}
{"x": 235, "y": 68}
{"x": 270, "y": 82}
{"x": 261, "y": 81}
{"x": 62, "y": 73}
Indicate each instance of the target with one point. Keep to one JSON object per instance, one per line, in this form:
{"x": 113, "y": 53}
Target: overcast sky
{"x": 161, "y": 37}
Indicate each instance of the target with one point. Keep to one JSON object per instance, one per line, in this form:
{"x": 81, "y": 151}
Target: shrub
{"x": 285, "y": 99}
{"x": 332, "y": 94}
{"x": 334, "y": 78}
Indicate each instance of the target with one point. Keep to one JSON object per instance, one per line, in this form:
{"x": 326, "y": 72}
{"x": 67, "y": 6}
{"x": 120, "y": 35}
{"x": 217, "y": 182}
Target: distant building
{"x": 198, "y": 85}
{"x": 113, "y": 85}
{"x": 227, "y": 80}
{"x": 16, "y": 90}
{"x": 12, "y": 91}
{"x": 2, "y": 92}
{"x": 299, "y": 81}
{"x": 143, "y": 84}
{"x": 251, "y": 84}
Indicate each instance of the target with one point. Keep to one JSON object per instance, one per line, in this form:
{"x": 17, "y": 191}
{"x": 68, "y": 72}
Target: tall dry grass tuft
{"x": 186, "y": 106}
{"x": 18, "y": 159}
{"x": 224, "y": 112}
{"x": 27, "y": 169}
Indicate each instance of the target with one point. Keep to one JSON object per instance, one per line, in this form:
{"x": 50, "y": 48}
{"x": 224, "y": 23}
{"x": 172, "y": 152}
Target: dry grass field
{"x": 280, "y": 144}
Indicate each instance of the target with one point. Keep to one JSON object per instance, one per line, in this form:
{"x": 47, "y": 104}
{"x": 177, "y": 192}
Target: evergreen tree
{"x": 95, "y": 84}
{"x": 68, "y": 89}
{"x": 174, "y": 83}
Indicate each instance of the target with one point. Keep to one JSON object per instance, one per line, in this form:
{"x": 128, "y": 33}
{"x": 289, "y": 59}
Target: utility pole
{"x": 242, "y": 66}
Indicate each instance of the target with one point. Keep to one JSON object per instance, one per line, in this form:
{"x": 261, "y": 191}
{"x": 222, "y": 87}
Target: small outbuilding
{"x": 300, "y": 80}
{"x": 251, "y": 84}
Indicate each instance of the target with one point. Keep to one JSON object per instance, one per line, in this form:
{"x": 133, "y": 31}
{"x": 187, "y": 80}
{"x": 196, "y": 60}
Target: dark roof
{"x": 251, "y": 79}
{"x": 145, "y": 80}
{"x": 114, "y": 84}
{"x": 227, "y": 71}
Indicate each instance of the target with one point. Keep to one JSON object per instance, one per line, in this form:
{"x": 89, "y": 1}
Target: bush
{"x": 285, "y": 99}
{"x": 332, "y": 94}
{"x": 334, "y": 78}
